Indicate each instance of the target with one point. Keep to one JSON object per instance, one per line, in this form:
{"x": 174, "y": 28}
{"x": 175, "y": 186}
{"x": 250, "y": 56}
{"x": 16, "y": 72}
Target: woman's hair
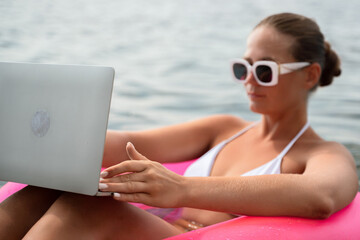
{"x": 309, "y": 44}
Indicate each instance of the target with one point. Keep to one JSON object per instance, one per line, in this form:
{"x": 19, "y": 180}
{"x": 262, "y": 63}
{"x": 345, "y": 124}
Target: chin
{"x": 258, "y": 108}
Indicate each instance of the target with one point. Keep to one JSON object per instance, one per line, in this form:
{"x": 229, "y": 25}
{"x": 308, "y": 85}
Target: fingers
{"x": 128, "y": 177}
{"x": 135, "y": 198}
{"x": 127, "y": 187}
{"x": 131, "y": 180}
{"x": 133, "y": 153}
{"x": 125, "y": 167}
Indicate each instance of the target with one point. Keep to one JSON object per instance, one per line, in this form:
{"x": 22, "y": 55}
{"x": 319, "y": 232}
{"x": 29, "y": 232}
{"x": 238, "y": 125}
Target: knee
{"x": 78, "y": 210}
{"x": 84, "y": 215}
{"x": 75, "y": 207}
{"x": 72, "y": 216}
{"x": 12, "y": 226}
{"x": 7, "y": 227}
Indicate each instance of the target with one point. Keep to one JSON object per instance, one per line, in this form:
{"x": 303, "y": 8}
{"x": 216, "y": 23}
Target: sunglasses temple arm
{"x": 290, "y": 67}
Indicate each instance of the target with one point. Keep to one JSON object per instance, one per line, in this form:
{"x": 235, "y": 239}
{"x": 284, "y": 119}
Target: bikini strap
{"x": 291, "y": 143}
{"x": 245, "y": 129}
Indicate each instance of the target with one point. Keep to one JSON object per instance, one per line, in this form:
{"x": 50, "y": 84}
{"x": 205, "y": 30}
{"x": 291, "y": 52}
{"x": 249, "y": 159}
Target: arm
{"x": 169, "y": 144}
{"x": 328, "y": 184}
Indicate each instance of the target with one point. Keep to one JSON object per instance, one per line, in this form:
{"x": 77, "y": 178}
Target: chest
{"x": 243, "y": 154}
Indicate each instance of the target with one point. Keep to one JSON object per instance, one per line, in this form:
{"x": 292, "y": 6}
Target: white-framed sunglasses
{"x": 266, "y": 73}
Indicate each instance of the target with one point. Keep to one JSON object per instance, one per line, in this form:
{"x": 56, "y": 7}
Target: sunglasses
{"x": 265, "y": 72}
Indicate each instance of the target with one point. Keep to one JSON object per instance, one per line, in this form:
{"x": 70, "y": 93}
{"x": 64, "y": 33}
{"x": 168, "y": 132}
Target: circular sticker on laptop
{"x": 40, "y": 123}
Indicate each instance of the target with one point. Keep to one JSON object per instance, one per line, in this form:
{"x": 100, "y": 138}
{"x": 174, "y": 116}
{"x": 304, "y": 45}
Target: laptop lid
{"x": 53, "y": 121}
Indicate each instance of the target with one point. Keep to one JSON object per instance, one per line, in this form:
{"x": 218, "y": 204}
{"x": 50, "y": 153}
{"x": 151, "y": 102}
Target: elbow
{"x": 321, "y": 207}
{"x": 323, "y": 210}
{"x": 324, "y": 206}
{"x": 329, "y": 202}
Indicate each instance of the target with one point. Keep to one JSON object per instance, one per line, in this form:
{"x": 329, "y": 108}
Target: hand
{"x": 143, "y": 181}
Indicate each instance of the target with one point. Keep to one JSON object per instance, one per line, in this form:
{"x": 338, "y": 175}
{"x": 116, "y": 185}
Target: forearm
{"x": 267, "y": 195}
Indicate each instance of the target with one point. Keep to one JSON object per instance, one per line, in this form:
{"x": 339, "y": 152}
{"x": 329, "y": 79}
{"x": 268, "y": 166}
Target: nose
{"x": 251, "y": 79}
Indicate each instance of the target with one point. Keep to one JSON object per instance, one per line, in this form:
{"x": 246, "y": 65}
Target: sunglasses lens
{"x": 240, "y": 71}
{"x": 264, "y": 73}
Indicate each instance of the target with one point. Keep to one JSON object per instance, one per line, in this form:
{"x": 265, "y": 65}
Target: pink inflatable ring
{"x": 341, "y": 225}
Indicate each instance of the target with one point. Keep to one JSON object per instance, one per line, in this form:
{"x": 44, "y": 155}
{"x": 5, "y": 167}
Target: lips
{"x": 254, "y": 95}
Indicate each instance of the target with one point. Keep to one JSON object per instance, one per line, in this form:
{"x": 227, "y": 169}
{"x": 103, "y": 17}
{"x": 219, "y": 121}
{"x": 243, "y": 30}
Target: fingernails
{"x": 104, "y": 174}
{"x": 129, "y": 144}
{"x": 116, "y": 195}
{"x": 103, "y": 186}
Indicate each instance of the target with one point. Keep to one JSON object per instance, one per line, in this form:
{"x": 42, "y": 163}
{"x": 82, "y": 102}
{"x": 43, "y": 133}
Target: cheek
{"x": 289, "y": 96}
{"x": 275, "y": 100}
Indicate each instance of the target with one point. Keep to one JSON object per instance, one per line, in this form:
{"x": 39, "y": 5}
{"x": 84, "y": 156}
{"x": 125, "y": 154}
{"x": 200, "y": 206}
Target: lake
{"x": 172, "y": 57}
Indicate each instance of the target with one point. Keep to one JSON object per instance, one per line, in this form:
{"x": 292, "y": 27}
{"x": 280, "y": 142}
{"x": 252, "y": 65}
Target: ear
{"x": 313, "y": 75}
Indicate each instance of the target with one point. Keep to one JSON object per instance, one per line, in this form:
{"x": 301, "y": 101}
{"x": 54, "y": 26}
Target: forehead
{"x": 266, "y": 43}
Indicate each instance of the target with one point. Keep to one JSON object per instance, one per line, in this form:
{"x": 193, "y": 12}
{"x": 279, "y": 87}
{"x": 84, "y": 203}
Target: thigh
{"x": 75, "y": 216}
{"x": 23, "y": 209}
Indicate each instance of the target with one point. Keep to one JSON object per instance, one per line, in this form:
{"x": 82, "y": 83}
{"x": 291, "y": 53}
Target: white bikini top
{"x": 202, "y": 167}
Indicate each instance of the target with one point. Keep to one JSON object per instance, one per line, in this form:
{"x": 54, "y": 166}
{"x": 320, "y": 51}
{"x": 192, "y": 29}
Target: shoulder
{"x": 329, "y": 148}
{"x": 224, "y": 121}
{"x": 223, "y": 127}
{"x": 329, "y": 154}
{"x": 311, "y": 150}
{"x": 311, "y": 145}
{"x": 217, "y": 123}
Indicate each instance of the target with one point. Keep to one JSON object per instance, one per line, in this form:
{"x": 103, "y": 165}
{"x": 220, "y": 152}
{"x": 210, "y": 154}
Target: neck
{"x": 284, "y": 125}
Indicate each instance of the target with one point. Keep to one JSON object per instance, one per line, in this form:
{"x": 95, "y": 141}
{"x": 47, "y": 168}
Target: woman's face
{"x": 266, "y": 43}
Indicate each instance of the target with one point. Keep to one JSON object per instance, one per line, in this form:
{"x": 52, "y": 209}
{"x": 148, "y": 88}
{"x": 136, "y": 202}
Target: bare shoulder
{"x": 331, "y": 150}
{"x": 225, "y": 121}
{"x": 224, "y": 126}
{"x": 312, "y": 154}
{"x": 333, "y": 159}
{"x": 216, "y": 128}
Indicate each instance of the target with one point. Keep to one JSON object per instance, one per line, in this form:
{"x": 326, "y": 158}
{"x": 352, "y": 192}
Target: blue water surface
{"x": 172, "y": 57}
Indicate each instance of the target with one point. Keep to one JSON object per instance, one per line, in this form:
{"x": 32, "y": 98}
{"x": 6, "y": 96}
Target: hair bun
{"x": 331, "y": 67}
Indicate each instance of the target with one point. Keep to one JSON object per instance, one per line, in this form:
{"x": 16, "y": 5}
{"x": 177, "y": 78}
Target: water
{"x": 171, "y": 57}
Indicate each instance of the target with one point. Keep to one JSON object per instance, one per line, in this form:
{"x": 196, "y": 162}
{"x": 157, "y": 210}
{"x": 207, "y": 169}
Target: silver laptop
{"x": 53, "y": 121}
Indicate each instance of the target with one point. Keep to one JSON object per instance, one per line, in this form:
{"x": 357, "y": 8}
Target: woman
{"x": 241, "y": 172}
